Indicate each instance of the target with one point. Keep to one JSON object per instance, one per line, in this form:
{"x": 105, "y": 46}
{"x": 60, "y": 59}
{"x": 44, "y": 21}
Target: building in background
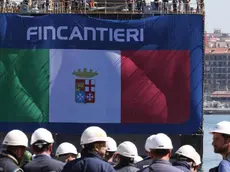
{"x": 217, "y": 69}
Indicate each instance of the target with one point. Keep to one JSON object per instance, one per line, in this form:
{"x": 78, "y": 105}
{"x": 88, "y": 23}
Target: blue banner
{"x": 156, "y": 79}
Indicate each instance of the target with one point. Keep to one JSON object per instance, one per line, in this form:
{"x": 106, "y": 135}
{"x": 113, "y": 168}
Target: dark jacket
{"x": 9, "y": 163}
{"x": 89, "y": 162}
{"x": 161, "y": 166}
{"x": 144, "y": 163}
{"x": 43, "y": 163}
{"x": 183, "y": 165}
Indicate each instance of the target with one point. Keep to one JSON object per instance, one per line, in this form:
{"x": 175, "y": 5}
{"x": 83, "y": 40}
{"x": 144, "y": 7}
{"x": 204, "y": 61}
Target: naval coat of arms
{"x": 85, "y": 86}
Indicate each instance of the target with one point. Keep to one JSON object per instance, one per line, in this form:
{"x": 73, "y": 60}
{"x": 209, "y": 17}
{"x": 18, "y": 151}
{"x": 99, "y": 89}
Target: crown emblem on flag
{"x": 85, "y": 86}
{"x": 84, "y": 73}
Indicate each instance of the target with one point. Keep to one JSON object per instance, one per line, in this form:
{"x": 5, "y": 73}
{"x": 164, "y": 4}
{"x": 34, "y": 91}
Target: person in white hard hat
{"x": 148, "y": 160}
{"x": 221, "y": 144}
{"x": 161, "y": 150}
{"x": 93, "y": 142}
{"x": 42, "y": 146}
{"x": 126, "y": 152}
{"x": 187, "y": 159}
{"x": 66, "y": 152}
{"x": 111, "y": 149}
{"x": 137, "y": 159}
{"x": 15, "y": 143}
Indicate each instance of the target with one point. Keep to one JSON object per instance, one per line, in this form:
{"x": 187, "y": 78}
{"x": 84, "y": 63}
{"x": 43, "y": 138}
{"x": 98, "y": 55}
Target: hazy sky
{"x": 217, "y": 15}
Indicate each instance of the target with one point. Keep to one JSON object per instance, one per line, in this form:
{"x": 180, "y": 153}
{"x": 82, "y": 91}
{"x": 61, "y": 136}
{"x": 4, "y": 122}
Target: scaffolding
{"x": 98, "y": 7}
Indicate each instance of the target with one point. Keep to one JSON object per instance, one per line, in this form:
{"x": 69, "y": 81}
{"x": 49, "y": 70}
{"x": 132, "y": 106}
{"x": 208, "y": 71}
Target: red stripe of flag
{"x": 155, "y": 86}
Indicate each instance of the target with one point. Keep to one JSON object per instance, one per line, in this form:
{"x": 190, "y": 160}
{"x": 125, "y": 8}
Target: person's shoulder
{"x": 224, "y": 165}
{"x": 57, "y": 162}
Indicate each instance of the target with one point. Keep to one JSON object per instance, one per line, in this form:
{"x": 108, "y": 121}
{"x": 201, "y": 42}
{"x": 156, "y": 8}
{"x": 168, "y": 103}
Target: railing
{"x": 101, "y": 7}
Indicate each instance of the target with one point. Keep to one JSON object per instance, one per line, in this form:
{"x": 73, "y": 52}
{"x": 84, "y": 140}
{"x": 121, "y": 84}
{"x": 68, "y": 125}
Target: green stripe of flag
{"x": 24, "y": 85}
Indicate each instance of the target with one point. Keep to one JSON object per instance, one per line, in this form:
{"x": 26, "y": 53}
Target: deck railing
{"x": 106, "y": 7}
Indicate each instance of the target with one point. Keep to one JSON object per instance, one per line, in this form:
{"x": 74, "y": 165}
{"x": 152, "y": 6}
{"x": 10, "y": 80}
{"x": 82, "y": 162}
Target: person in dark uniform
{"x": 15, "y": 143}
{"x": 66, "y": 152}
{"x": 110, "y": 155}
{"x": 126, "y": 151}
{"x": 187, "y": 159}
{"x": 148, "y": 160}
{"x": 161, "y": 150}
{"x": 93, "y": 141}
{"x": 42, "y": 145}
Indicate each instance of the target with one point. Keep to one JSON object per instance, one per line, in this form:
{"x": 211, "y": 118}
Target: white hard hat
{"x": 222, "y": 127}
{"x": 93, "y": 134}
{"x": 189, "y": 152}
{"x": 15, "y": 138}
{"x": 127, "y": 149}
{"x": 197, "y": 159}
{"x": 137, "y": 159}
{"x": 148, "y": 143}
{"x": 186, "y": 151}
{"x": 161, "y": 141}
{"x": 111, "y": 145}
{"x": 41, "y": 134}
{"x": 66, "y": 148}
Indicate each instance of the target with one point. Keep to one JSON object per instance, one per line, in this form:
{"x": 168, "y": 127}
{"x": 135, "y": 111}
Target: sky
{"x": 217, "y": 15}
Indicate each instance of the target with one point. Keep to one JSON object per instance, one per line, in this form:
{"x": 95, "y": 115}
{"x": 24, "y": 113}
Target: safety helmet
{"x": 15, "y": 138}
{"x": 161, "y": 141}
{"x": 148, "y": 143}
{"x": 66, "y": 148}
{"x": 127, "y": 149}
{"x": 79, "y": 155}
{"x": 197, "y": 159}
{"x": 93, "y": 134}
{"x": 27, "y": 157}
{"x": 111, "y": 145}
{"x": 137, "y": 159}
{"x": 186, "y": 151}
{"x": 222, "y": 127}
{"x": 41, "y": 134}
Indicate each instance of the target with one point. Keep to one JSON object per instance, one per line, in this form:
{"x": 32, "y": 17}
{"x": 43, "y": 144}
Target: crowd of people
{"x": 100, "y": 153}
{"x": 148, "y": 6}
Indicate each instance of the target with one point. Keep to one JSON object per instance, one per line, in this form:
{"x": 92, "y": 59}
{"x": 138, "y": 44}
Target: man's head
{"x": 42, "y": 141}
{"x": 66, "y": 152}
{"x": 16, "y": 142}
{"x": 148, "y": 144}
{"x": 221, "y": 138}
{"x": 94, "y": 139}
{"x": 188, "y": 154}
{"x": 126, "y": 152}
{"x": 161, "y": 147}
{"x": 111, "y": 148}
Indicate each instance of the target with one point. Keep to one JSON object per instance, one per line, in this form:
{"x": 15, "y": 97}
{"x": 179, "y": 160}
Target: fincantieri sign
{"x": 65, "y": 33}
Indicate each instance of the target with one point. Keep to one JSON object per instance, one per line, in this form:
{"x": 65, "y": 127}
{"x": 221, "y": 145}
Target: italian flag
{"x": 94, "y": 86}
